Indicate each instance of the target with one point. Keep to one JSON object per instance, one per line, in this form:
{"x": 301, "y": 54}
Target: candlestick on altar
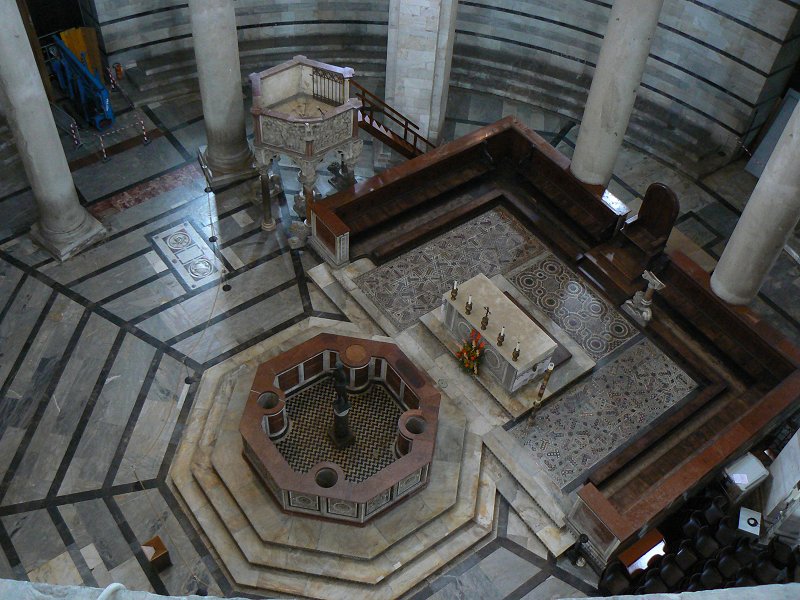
{"x": 501, "y": 337}
{"x": 454, "y": 291}
{"x": 485, "y": 319}
{"x": 468, "y": 306}
{"x": 515, "y": 353}
{"x": 545, "y": 379}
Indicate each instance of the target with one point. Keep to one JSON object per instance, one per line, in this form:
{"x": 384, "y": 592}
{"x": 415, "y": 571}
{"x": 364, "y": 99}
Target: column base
{"x": 217, "y": 179}
{"x": 68, "y": 245}
{"x": 727, "y": 295}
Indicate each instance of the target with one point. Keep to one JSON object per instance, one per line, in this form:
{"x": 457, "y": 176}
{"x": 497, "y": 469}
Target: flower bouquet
{"x": 471, "y": 352}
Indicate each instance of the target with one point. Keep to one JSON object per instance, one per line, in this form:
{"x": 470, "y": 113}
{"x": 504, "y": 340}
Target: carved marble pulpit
{"x": 302, "y": 109}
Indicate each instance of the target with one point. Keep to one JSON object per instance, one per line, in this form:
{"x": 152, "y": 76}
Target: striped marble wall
{"x": 715, "y": 69}
{"x": 133, "y": 31}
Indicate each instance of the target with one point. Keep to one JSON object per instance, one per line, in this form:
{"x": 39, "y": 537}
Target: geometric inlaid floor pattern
{"x": 103, "y": 354}
{"x": 373, "y": 421}
{"x": 602, "y": 414}
{"x": 411, "y": 285}
{"x": 572, "y": 303}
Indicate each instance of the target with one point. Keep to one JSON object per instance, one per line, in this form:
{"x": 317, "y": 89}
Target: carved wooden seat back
{"x": 657, "y": 215}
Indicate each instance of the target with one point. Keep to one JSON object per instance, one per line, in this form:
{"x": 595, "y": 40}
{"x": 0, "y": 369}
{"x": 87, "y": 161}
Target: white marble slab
{"x": 535, "y": 344}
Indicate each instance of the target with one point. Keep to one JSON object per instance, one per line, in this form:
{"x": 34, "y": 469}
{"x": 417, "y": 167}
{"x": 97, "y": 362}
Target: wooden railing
{"x": 372, "y": 104}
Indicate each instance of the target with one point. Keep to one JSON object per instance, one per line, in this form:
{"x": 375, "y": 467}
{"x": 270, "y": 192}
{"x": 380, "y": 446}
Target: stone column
{"x": 418, "y": 58}
{"x": 613, "y": 91}
{"x": 771, "y": 214}
{"x": 227, "y": 157}
{"x": 308, "y": 180}
{"x": 65, "y": 227}
{"x": 350, "y": 154}
{"x": 268, "y": 221}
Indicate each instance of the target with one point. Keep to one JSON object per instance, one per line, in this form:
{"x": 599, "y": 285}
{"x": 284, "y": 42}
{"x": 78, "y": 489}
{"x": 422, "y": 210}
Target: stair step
{"x": 256, "y": 57}
{"x": 525, "y": 470}
{"x": 556, "y": 539}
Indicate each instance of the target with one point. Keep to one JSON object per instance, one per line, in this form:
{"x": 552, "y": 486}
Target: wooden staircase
{"x": 409, "y": 144}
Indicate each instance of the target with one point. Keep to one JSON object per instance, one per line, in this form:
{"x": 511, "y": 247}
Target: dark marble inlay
{"x": 574, "y": 306}
{"x": 602, "y": 414}
{"x": 411, "y": 285}
{"x": 373, "y": 420}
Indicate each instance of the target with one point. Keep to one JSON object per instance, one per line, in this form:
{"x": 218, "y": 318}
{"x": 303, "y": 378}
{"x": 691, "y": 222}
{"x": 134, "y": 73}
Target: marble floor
{"x": 102, "y": 355}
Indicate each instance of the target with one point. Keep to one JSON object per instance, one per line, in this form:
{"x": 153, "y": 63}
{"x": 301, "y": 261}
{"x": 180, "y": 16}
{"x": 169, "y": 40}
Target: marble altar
{"x": 535, "y": 346}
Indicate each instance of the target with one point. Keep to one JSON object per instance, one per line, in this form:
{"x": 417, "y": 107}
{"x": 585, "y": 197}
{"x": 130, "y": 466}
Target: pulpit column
{"x": 616, "y": 80}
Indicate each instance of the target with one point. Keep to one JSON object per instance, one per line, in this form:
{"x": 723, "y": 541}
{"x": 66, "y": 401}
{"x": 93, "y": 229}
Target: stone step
{"x": 217, "y": 482}
{"x": 163, "y": 93}
{"x": 145, "y": 82}
{"x": 147, "y": 75}
{"x": 556, "y": 539}
{"x": 257, "y": 579}
{"x": 174, "y": 74}
{"x": 438, "y": 543}
{"x": 522, "y": 466}
{"x": 326, "y": 564}
{"x": 7, "y": 161}
{"x": 327, "y": 281}
{"x": 266, "y": 55}
{"x": 441, "y": 494}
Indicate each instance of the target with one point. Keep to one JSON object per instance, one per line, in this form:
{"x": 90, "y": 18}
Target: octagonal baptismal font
{"x": 288, "y": 420}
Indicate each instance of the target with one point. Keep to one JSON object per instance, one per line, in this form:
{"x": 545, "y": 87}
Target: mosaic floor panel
{"x": 373, "y": 420}
{"x": 411, "y": 285}
{"x": 602, "y": 414}
{"x": 574, "y": 305}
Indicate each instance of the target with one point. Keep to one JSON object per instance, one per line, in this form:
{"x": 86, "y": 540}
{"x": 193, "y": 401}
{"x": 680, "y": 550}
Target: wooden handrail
{"x": 370, "y": 102}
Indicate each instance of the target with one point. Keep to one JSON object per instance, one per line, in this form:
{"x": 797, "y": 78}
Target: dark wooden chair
{"x": 649, "y": 230}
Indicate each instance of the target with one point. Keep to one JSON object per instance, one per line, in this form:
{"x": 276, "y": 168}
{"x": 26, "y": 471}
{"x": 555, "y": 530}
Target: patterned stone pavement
{"x": 101, "y": 356}
{"x": 586, "y": 424}
{"x": 373, "y": 420}
{"x": 412, "y": 284}
{"x": 572, "y": 303}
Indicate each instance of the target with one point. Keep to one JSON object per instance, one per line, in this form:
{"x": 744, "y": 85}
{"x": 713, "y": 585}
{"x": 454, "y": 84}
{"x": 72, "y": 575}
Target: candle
{"x": 517, "y": 347}
{"x": 469, "y": 300}
{"x": 455, "y": 285}
{"x": 502, "y": 331}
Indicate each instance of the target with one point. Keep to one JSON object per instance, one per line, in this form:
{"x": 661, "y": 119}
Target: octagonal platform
{"x": 394, "y": 419}
{"x": 263, "y": 548}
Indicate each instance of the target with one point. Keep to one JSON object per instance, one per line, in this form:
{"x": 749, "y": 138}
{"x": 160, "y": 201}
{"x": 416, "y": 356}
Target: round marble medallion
{"x": 200, "y": 268}
{"x": 179, "y": 241}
